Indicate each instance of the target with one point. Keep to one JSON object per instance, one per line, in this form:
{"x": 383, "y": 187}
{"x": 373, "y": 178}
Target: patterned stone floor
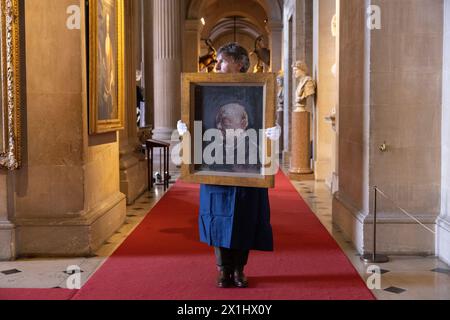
{"x": 403, "y": 277}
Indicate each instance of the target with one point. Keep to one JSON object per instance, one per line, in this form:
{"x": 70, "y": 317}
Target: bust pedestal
{"x": 300, "y": 168}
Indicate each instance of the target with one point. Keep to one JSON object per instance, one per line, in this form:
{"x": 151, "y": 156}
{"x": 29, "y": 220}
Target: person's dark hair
{"x": 237, "y": 53}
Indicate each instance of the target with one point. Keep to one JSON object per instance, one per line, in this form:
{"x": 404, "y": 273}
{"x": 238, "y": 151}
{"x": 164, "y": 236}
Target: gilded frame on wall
{"x": 210, "y": 103}
{"x": 10, "y": 125}
{"x": 106, "y": 66}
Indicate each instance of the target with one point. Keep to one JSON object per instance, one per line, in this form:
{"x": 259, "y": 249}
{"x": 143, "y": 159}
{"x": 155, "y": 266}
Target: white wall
{"x": 443, "y": 241}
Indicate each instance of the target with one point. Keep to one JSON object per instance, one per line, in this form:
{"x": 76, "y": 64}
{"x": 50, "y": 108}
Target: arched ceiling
{"x": 272, "y": 8}
{"x": 228, "y": 26}
{"x": 214, "y": 11}
{"x": 219, "y": 17}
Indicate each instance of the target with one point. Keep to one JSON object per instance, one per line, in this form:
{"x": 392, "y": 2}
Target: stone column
{"x": 66, "y": 197}
{"x": 148, "y": 62}
{"x": 167, "y": 66}
{"x": 191, "y": 45}
{"x": 276, "y": 42}
{"x": 276, "y": 48}
{"x": 280, "y": 118}
{"x": 133, "y": 166}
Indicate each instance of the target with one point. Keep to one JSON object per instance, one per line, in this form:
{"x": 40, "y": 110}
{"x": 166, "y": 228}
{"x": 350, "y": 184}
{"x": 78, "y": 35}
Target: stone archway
{"x": 264, "y": 14}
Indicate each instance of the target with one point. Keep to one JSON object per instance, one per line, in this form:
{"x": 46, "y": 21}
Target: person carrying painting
{"x": 234, "y": 220}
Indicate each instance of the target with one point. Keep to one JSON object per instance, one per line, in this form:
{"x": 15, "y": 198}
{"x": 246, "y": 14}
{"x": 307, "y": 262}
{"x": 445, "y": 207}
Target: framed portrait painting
{"x": 106, "y": 65}
{"x": 10, "y": 126}
{"x": 227, "y": 115}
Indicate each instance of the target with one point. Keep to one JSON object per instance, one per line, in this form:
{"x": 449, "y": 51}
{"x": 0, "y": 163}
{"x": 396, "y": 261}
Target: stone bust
{"x": 306, "y": 86}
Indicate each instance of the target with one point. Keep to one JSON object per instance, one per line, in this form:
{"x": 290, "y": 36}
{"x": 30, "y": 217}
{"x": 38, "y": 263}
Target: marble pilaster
{"x": 133, "y": 166}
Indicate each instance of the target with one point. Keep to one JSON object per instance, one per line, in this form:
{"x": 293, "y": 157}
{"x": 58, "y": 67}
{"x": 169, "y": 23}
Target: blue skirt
{"x": 235, "y": 218}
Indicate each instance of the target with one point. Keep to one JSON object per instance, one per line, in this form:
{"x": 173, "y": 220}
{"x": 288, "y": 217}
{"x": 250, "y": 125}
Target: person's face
{"x": 231, "y": 123}
{"x": 226, "y": 64}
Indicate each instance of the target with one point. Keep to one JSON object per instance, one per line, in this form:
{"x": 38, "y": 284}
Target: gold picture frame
{"x": 106, "y": 66}
{"x": 10, "y": 124}
{"x": 205, "y": 96}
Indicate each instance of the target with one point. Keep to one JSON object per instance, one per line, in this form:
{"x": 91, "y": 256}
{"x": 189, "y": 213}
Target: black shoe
{"x": 239, "y": 279}
{"x": 224, "y": 279}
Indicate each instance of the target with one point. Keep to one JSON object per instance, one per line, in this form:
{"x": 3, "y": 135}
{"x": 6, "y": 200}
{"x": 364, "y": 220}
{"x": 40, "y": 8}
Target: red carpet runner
{"x": 163, "y": 259}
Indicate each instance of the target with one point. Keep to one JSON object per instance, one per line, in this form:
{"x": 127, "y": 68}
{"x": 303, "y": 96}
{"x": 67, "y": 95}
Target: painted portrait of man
{"x": 235, "y": 110}
{"x": 107, "y": 61}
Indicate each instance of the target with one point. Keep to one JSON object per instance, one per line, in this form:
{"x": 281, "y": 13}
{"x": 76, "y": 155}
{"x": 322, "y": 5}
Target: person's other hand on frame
{"x": 182, "y": 128}
{"x": 274, "y": 133}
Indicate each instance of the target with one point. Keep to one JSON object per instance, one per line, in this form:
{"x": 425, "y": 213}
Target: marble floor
{"x": 402, "y": 278}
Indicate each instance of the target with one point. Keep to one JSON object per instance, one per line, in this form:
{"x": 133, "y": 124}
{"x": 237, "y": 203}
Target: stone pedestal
{"x": 300, "y": 168}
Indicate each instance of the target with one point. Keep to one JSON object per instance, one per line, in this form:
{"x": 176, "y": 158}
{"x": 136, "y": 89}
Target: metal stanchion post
{"x": 374, "y": 257}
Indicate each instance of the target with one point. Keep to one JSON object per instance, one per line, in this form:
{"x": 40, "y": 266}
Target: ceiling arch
{"x": 215, "y": 11}
{"x": 272, "y": 8}
{"x": 226, "y": 26}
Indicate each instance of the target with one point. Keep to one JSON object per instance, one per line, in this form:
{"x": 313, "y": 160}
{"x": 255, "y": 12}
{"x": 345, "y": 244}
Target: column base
{"x": 301, "y": 171}
{"x": 7, "y": 241}
{"x": 133, "y": 176}
{"x": 75, "y": 237}
{"x": 301, "y": 177}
